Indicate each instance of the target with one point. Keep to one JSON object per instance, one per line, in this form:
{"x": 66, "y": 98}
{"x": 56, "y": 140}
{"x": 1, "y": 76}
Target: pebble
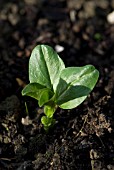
{"x": 59, "y": 48}
{"x": 110, "y": 17}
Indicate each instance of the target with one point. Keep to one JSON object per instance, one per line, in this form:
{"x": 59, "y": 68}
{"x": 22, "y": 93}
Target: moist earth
{"x": 82, "y": 138}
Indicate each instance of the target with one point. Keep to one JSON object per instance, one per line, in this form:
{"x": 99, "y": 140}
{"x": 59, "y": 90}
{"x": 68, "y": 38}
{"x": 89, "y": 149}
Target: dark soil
{"x": 82, "y": 138}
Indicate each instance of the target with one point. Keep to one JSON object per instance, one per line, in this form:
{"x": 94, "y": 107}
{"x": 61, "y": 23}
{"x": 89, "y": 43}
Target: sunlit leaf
{"x": 75, "y": 84}
{"x": 45, "y": 66}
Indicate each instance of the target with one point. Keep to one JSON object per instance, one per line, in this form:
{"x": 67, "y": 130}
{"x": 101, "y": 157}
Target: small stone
{"x": 110, "y": 17}
{"x": 27, "y": 52}
{"x": 110, "y": 167}
{"x": 13, "y": 19}
{"x": 73, "y": 15}
{"x": 21, "y": 43}
{"x": 93, "y": 154}
{"x": 59, "y": 48}
{"x": 19, "y": 53}
{"x": 26, "y": 121}
{"x": 20, "y": 82}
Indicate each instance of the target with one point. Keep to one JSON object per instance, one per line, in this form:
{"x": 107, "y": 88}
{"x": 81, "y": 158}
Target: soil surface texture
{"x": 81, "y": 33}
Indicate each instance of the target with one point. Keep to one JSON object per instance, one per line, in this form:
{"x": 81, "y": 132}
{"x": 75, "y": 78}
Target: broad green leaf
{"x": 45, "y": 96}
{"x": 33, "y": 90}
{"x": 45, "y": 66}
{"x": 74, "y": 85}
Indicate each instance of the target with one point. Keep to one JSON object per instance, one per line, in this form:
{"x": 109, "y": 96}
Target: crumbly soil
{"x": 82, "y": 138}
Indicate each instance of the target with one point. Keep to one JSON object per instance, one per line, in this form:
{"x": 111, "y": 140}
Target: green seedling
{"x": 55, "y": 86}
{"x": 98, "y": 36}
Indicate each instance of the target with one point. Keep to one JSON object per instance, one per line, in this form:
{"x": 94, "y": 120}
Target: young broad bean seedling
{"x": 55, "y": 86}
